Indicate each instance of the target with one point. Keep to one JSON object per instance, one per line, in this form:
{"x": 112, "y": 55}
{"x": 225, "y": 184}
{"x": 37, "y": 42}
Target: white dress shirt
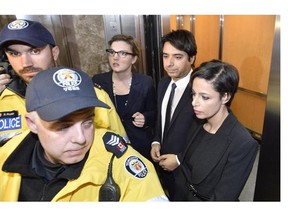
{"x": 181, "y": 86}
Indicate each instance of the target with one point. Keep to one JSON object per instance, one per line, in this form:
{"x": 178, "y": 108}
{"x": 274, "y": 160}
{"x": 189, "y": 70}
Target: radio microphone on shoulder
{"x": 110, "y": 190}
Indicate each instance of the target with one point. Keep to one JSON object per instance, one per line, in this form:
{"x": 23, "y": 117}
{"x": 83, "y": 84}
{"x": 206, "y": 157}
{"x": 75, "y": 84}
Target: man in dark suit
{"x": 179, "y": 53}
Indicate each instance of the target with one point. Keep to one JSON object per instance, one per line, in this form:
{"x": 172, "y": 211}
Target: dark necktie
{"x": 169, "y": 107}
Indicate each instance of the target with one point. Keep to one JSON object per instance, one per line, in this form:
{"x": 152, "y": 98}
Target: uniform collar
{"x": 20, "y": 160}
{"x": 18, "y": 86}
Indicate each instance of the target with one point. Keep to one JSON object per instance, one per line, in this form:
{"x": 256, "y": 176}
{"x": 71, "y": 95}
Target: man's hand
{"x": 168, "y": 162}
{"x": 155, "y": 152}
{"x": 4, "y": 80}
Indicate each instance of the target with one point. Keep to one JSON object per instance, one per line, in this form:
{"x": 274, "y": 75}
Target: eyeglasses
{"x": 120, "y": 53}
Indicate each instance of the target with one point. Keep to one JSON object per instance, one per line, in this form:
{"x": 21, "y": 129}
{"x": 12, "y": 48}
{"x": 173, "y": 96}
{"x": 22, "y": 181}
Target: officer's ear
{"x": 30, "y": 120}
{"x": 55, "y": 53}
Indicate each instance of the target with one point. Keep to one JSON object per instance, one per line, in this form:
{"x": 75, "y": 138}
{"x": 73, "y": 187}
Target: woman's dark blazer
{"x": 219, "y": 168}
{"x": 142, "y": 98}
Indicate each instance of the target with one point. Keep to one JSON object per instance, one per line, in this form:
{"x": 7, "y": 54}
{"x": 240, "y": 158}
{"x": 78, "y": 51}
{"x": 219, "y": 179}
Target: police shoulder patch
{"x": 97, "y": 86}
{"x": 136, "y": 167}
{"x": 114, "y": 143}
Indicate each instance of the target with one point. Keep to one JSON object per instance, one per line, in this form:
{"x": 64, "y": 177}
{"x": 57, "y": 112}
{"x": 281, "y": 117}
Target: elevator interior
{"x": 251, "y": 43}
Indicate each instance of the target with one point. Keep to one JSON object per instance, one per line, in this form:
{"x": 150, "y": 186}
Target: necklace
{"x": 115, "y": 94}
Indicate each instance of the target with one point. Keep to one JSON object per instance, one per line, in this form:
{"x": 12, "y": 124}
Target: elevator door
{"x": 131, "y": 25}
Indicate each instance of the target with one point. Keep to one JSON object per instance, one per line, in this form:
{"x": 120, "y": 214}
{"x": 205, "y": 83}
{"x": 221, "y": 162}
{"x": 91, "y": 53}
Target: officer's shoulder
{"x": 96, "y": 85}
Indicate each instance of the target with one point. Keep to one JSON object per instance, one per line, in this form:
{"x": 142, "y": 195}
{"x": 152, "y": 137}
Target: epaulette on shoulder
{"x": 115, "y": 143}
{"x": 98, "y": 86}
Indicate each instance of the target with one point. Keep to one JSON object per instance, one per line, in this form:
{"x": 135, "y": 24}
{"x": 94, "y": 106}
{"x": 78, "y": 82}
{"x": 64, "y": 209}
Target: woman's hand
{"x": 139, "y": 119}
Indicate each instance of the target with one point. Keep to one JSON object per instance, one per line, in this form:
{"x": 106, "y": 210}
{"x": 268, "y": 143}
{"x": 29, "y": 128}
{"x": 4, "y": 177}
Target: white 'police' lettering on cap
{"x": 18, "y": 25}
{"x": 136, "y": 167}
{"x": 67, "y": 79}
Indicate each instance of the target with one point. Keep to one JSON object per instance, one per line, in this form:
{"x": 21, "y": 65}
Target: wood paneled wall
{"x": 207, "y": 36}
{"x": 246, "y": 42}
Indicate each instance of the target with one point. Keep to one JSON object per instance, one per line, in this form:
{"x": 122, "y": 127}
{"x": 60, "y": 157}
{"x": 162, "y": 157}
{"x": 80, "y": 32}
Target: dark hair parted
{"x": 182, "y": 40}
{"x": 224, "y": 77}
{"x": 129, "y": 40}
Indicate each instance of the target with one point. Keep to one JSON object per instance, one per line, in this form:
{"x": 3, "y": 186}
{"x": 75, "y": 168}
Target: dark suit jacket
{"x": 142, "y": 98}
{"x": 183, "y": 123}
{"x": 183, "y": 120}
{"x": 218, "y": 168}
